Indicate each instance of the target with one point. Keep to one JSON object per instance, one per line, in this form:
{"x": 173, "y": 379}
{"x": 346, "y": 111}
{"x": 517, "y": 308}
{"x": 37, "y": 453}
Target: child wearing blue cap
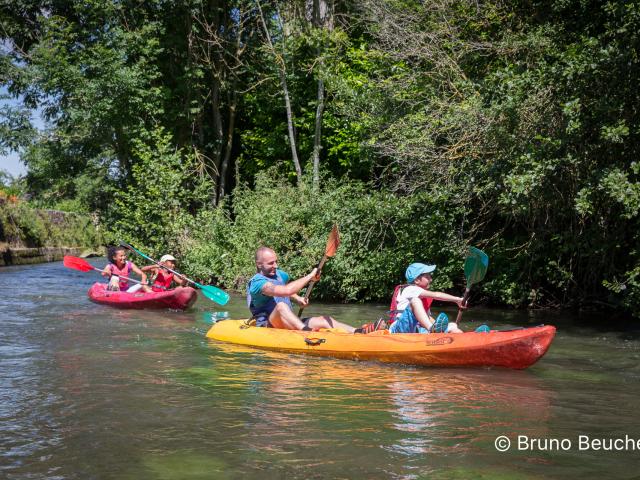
{"x": 413, "y": 314}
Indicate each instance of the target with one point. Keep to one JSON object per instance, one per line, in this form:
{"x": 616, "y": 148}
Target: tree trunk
{"x": 285, "y": 90}
{"x": 320, "y": 15}
{"x": 229, "y": 143}
{"x": 219, "y": 133}
{"x": 290, "y": 128}
{"x": 317, "y": 136}
{"x": 221, "y": 45}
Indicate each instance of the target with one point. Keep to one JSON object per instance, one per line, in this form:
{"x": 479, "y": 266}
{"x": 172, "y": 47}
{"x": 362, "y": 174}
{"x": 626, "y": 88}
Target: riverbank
{"x": 27, "y": 256}
{"x": 30, "y": 235}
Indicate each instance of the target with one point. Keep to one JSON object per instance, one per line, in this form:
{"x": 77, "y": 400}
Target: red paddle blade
{"x": 77, "y": 263}
{"x": 333, "y": 242}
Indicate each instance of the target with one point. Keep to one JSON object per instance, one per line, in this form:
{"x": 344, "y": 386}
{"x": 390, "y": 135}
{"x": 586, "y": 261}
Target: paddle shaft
{"x": 464, "y": 302}
{"x": 158, "y": 263}
{"x": 84, "y": 266}
{"x": 123, "y": 278}
{"x": 312, "y": 282}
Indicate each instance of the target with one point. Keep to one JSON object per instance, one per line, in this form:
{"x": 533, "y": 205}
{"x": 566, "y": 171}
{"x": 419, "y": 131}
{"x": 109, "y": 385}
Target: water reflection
{"x": 297, "y": 405}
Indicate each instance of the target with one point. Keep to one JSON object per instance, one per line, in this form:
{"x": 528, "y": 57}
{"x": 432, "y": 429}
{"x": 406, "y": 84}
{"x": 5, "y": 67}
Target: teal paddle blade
{"x": 475, "y": 266}
{"x": 214, "y": 293}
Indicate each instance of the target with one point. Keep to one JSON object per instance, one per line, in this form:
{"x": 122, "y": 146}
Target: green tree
{"x": 165, "y": 186}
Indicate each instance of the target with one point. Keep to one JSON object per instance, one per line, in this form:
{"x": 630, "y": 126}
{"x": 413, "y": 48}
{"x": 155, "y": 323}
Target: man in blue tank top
{"x": 269, "y": 295}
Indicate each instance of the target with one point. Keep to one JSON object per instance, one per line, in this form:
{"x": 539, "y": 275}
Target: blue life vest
{"x": 262, "y": 306}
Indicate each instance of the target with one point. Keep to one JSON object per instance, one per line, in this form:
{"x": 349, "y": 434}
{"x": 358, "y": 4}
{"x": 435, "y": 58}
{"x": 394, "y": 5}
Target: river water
{"x": 87, "y": 391}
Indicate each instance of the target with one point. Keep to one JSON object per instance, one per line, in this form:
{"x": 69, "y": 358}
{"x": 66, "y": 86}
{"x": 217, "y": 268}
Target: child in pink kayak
{"x": 163, "y": 277}
{"x": 119, "y": 267}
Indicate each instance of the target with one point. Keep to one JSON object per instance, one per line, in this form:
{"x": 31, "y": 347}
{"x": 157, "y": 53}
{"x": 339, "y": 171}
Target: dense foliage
{"x": 211, "y": 127}
{"x": 380, "y": 234}
{"x": 23, "y": 226}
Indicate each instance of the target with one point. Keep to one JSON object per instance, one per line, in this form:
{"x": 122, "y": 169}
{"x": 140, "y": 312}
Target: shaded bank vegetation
{"x": 209, "y": 127}
{"x": 24, "y": 227}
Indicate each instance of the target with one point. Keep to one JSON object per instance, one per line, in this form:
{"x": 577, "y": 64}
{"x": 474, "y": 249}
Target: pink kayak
{"x": 179, "y": 298}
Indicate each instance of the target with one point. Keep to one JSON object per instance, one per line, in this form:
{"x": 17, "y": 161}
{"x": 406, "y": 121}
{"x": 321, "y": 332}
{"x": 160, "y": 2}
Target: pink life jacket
{"x": 123, "y": 272}
{"x": 393, "y": 309}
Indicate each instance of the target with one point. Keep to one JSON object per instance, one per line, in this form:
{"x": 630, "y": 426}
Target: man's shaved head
{"x": 261, "y": 252}
{"x": 266, "y": 261}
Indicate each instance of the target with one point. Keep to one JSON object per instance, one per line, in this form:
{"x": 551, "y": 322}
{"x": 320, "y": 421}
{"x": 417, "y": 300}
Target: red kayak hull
{"x": 179, "y": 298}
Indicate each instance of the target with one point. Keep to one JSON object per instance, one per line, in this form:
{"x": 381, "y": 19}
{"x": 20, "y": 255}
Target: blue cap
{"x": 416, "y": 269}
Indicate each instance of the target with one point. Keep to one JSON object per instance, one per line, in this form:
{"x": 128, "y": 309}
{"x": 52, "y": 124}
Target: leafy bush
{"x": 380, "y": 235}
{"x": 165, "y": 186}
{"x": 21, "y": 225}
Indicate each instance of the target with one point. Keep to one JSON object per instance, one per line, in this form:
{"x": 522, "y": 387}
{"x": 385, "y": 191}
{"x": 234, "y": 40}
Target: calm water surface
{"x": 87, "y": 391}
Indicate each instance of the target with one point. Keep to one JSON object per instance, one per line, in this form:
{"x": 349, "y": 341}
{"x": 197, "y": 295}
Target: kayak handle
{"x": 314, "y": 341}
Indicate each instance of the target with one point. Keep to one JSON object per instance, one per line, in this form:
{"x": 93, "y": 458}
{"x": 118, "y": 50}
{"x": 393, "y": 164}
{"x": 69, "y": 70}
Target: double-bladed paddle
{"x": 212, "y": 293}
{"x": 475, "y": 268}
{"x": 333, "y": 242}
{"x": 81, "y": 264}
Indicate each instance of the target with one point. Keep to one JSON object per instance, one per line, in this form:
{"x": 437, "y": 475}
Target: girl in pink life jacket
{"x": 163, "y": 277}
{"x": 119, "y": 265}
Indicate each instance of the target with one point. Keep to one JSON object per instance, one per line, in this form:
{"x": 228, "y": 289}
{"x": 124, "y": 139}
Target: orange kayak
{"x": 179, "y": 298}
{"x": 518, "y": 349}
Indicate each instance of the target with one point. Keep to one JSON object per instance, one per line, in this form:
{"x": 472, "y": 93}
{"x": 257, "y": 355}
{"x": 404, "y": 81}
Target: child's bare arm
{"x": 443, "y": 297}
{"x": 137, "y": 271}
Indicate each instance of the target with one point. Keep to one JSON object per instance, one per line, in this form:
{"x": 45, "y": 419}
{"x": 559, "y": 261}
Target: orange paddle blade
{"x": 77, "y": 263}
{"x": 333, "y": 242}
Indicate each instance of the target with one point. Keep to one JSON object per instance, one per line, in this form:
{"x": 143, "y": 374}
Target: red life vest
{"x": 162, "y": 281}
{"x": 393, "y": 309}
